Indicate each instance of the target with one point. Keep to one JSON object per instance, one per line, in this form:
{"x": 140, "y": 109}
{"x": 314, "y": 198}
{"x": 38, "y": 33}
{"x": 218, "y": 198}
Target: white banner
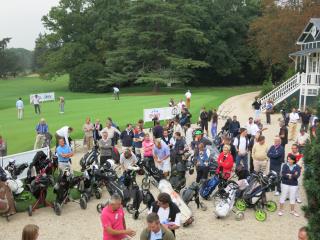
{"x": 20, "y": 158}
{"x": 160, "y": 113}
{"x": 44, "y": 97}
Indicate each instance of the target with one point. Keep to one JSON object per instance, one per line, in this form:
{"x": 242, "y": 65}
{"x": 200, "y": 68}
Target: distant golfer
{"x": 116, "y": 93}
{"x": 61, "y": 104}
{"x": 36, "y": 103}
{"x": 188, "y": 98}
{"x": 20, "y": 107}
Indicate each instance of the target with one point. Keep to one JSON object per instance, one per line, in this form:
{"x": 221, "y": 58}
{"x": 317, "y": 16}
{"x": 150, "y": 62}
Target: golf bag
{"x": 7, "y": 206}
{"x": 12, "y": 172}
{"x": 151, "y": 173}
{"x": 225, "y": 200}
{"x": 89, "y": 158}
{"x": 192, "y": 194}
{"x": 209, "y": 186}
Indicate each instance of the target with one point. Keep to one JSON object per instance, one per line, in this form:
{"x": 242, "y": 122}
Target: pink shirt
{"x": 113, "y": 219}
{"x": 147, "y": 148}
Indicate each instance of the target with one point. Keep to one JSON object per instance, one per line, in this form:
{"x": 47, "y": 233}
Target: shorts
{"x": 165, "y": 165}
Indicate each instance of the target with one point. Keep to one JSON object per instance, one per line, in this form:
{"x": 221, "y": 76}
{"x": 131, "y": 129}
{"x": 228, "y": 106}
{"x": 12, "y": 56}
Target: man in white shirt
{"x": 293, "y": 122}
{"x": 302, "y": 140}
{"x": 177, "y": 127}
{"x": 20, "y": 107}
{"x": 252, "y": 128}
{"x": 242, "y": 143}
{"x": 127, "y": 159}
{"x": 64, "y": 133}
{"x": 188, "y": 98}
{"x": 111, "y": 131}
{"x": 116, "y": 93}
{"x": 36, "y": 103}
{"x": 181, "y": 105}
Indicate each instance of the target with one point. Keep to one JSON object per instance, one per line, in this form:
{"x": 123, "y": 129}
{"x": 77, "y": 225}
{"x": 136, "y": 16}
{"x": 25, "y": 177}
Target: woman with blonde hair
{"x": 30, "y": 232}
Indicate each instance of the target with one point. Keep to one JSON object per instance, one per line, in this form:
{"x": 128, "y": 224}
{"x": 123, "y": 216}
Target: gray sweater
{"x": 105, "y": 147}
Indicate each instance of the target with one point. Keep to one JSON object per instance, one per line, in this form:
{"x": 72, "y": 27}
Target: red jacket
{"x": 226, "y": 162}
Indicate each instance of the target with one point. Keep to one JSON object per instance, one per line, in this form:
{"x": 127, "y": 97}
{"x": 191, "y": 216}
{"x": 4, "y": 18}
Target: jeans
{"x": 244, "y": 159}
{"x": 202, "y": 173}
{"x": 214, "y": 129}
{"x": 268, "y": 116}
{"x": 257, "y": 114}
{"x": 61, "y": 107}
{"x": 277, "y": 169}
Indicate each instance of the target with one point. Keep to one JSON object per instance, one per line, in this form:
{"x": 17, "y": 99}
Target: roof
{"x": 307, "y": 30}
{"x": 304, "y": 52}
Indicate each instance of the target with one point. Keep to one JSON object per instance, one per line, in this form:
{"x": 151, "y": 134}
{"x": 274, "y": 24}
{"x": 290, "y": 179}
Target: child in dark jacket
{"x": 289, "y": 184}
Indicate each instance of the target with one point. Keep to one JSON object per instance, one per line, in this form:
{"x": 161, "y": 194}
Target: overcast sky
{"x": 21, "y": 20}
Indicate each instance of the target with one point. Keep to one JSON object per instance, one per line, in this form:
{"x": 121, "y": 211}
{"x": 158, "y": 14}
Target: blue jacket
{"x": 234, "y": 127}
{"x": 276, "y": 155}
{"x": 295, "y": 174}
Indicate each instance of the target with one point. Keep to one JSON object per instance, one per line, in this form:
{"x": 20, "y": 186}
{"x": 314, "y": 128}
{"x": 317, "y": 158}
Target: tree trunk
{"x": 156, "y": 87}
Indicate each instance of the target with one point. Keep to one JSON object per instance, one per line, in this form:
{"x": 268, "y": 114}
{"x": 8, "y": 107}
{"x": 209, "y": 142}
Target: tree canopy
{"x": 101, "y": 43}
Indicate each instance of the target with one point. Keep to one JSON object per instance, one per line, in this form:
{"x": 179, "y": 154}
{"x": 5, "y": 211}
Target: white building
{"x": 307, "y": 66}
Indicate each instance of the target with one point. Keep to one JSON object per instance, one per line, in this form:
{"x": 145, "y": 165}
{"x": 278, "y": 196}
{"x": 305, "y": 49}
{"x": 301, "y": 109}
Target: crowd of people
{"x": 240, "y": 144}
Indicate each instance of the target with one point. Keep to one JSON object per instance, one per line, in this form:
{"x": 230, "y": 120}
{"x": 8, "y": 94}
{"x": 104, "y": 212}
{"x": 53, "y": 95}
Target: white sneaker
{"x": 299, "y": 200}
{"x": 280, "y": 213}
{"x": 276, "y": 193}
{"x": 294, "y": 213}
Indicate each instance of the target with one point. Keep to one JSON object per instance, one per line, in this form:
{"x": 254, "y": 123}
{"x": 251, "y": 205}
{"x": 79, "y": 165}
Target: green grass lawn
{"x": 20, "y": 134}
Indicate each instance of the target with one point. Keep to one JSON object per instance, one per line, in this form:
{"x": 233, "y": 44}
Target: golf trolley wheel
{"x": 98, "y": 193}
{"x": 135, "y": 215}
{"x": 241, "y": 205}
{"x": 30, "y": 210}
{"x": 239, "y": 216}
{"x": 203, "y": 206}
{"x": 145, "y": 184}
{"x": 130, "y": 208}
{"x": 260, "y": 215}
{"x": 57, "y": 208}
{"x": 271, "y": 206}
{"x": 85, "y": 196}
{"x": 83, "y": 203}
{"x": 100, "y": 207}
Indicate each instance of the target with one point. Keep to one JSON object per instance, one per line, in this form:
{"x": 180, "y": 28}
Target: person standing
{"x": 242, "y": 145}
{"x": 252, "y": 128}
{"x": 202, "y": 163}
{"x": 283, "y": 134}
{"x": 127, "y": 137}
{"x": 204, "y": 120}
{"x": 64, "y": 133}
{"x": 305, "y": 120}
{"x": 299, "y": 161}
{"x": 168, "y": 212}
{"x": 41, "y": 130}
{"x": 36, "y": 103}
{"x": 116, "y": 94}
{"x": 157, "y": 131}
{"x": 269, "y": 110}
{"x": 290, "y": 174}
{"x": 259, "y": 155}
{"x": 302, "y": 140}
{"x": 256, "y": 106}
{"x": 64, "y": 154}
{"x": 189, "y": 134}
{"x": 113, "y": 221}
{"x": 177, "y": 127}
{"x": 20, "y": 108}
{"x": 214, "y": 123}
{"x": 147, "y": 146}
{"x": 156, "y": 230}
{"x": 3, "y": 147}
{"x": 97, "y": 129}
{"x": 276, "y": 156}
{"x": 161, "y": 156}
{"x": 112, "y": 131}
{"x": 61, "y": 104}
{"x": 127, "y": 159}
{"x": 105, "y": 147}
{"x": 30, "y": 232}
{"x": 234, "y": 127}
{"x": 88, "y": 134}
{"x": 137, "y": 140}
{"x": 293, "y": 122}
{"x": 188, "y": 99}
